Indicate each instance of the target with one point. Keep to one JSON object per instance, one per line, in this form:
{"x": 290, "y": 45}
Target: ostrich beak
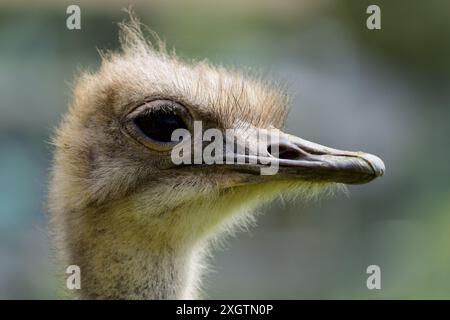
{"x": 296, "y": 158}
{"x": 313, "y": 161}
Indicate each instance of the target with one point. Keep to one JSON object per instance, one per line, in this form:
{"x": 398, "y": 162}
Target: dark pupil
{"x": 159, "y": 126}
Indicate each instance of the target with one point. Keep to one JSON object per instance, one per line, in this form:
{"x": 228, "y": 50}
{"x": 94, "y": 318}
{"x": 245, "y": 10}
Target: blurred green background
{"x": 384, "y": 91}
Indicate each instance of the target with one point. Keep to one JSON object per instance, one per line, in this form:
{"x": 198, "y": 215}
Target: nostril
{"x": 285, "y": 151}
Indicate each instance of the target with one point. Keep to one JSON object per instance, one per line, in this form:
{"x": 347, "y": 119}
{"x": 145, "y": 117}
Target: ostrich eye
{"x": 158, "y": 125}
{"x": 152, "y": 123}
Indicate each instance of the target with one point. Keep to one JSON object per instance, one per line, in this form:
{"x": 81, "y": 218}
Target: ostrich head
{"x": 135, "y": 222}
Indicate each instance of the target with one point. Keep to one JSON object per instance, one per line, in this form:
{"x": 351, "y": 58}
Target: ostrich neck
{"x": 122, "y": 259}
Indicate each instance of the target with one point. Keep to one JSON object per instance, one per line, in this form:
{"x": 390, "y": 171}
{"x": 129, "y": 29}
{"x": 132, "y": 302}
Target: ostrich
{"x": 136, "y": 224}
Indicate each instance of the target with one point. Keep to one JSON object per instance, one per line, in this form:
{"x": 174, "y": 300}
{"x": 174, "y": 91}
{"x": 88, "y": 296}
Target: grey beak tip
{"x": 376, "y": 163}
